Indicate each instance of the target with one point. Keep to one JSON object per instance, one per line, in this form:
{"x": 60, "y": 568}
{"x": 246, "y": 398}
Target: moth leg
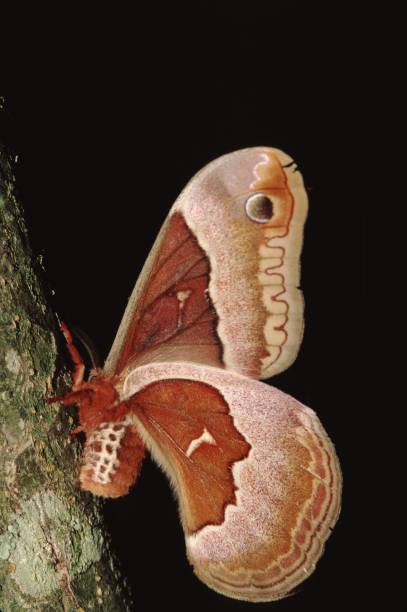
{"x": 69, "y": 398}
{"x": 79, "y": 366}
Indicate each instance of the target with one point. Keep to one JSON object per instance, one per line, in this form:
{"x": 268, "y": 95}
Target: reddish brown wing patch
{"x": 191, "y": 424}
{"x": 175, "y": 308}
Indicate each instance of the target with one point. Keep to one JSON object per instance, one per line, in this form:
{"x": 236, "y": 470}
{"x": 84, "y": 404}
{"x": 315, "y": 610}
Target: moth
{"x": 216, "y": 309}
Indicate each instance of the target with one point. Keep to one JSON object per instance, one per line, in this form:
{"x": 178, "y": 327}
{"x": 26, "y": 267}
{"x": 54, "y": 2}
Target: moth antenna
{"x": 89, "y": 346}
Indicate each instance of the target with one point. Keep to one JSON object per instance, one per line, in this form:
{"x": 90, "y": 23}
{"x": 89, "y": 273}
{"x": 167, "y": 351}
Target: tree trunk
{"x": 54, "y": 553}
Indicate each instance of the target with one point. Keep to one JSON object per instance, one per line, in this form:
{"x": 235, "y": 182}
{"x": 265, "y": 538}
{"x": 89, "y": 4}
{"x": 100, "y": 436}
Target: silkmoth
{"x": 217, "y": 308}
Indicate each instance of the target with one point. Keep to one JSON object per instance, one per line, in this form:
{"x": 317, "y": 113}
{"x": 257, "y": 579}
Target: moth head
{"x": 97, "y": 400}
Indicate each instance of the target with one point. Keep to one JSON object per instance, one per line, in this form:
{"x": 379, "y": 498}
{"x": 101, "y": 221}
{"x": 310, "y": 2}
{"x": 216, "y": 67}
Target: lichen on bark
{"x": 54, "y": 553}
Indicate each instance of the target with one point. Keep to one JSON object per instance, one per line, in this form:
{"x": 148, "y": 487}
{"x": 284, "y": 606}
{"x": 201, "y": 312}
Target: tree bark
{"x": 54, "y": 553}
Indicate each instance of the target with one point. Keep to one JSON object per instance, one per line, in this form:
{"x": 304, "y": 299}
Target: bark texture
{"x": 54, "y": 554}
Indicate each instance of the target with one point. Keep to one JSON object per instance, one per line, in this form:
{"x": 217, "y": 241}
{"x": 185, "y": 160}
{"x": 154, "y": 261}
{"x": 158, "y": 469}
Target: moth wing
{"x": 256, "y": 476}
{"x": 220, "y": 286}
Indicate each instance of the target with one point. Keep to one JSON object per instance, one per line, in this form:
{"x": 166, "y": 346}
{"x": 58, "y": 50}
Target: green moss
{"x": 28, "y": 477}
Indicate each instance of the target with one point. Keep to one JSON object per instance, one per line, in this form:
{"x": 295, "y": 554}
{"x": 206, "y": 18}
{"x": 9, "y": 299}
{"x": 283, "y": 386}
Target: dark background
{"x": 109, "y": 121}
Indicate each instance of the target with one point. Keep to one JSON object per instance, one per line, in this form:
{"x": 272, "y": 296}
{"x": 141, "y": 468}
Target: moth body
{"x": 216, "y": 308}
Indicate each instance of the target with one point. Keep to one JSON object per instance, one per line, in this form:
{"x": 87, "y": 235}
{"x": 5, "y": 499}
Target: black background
{"x": 109, "y": 121}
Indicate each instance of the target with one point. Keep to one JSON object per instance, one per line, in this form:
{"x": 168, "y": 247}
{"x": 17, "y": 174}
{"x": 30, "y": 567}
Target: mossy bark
{"x": 54, "y": 554}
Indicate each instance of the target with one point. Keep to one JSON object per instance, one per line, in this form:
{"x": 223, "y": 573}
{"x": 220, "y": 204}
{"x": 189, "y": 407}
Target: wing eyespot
{"x": 259, "y": 208}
